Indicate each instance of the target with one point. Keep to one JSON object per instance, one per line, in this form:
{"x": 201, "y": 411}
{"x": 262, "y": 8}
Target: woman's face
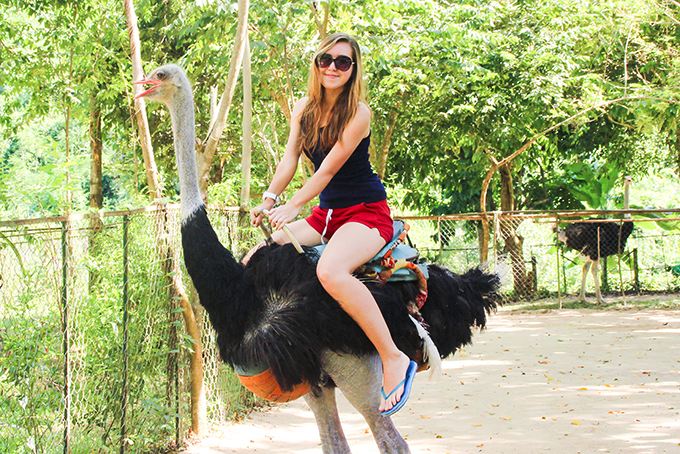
{"x": 331, "y": 77}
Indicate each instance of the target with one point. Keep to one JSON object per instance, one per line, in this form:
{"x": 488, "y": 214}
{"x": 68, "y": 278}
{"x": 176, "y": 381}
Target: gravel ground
{"x": 570, "y": 381}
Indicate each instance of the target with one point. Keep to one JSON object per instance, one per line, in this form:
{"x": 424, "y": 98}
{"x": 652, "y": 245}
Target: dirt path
{"x": 555, "y": 382}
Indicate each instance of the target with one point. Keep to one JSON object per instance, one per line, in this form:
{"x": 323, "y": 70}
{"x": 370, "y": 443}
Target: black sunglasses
{"x": 342, "y": 62}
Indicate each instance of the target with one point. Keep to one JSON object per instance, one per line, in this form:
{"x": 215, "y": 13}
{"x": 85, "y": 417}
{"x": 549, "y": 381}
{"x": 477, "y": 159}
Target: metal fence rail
{"x": 93, "y": 354}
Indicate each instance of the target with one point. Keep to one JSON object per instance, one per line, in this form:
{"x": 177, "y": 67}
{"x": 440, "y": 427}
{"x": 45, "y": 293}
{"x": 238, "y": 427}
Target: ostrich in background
{"x": 596, "y": 240}
{"x": 274, "y": 313}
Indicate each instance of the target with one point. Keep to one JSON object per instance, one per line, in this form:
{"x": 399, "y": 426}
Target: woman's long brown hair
{"x": 312, "y": 137}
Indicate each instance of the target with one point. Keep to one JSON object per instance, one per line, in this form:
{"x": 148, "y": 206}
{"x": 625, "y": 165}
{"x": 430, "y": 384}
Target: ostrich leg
{"x": 359, "y": 379}
{"x": 325, "y": 411}
{"x": 586, "y": 267}
{"x": 596, "y": 279}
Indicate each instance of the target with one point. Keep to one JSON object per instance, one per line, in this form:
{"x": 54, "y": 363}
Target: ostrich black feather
{"x": 275, "y": 313}
{"x": 597, "y": 239}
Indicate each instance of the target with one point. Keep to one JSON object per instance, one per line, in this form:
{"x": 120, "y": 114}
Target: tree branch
{"x": 204, "y": 158}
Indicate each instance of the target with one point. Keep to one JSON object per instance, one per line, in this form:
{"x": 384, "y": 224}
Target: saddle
{"x": 395, "y": 262}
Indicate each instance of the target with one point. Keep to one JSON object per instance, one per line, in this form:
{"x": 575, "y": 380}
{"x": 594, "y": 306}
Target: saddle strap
{"x": 397, "y": 242}
{"x": 403, "y": 263}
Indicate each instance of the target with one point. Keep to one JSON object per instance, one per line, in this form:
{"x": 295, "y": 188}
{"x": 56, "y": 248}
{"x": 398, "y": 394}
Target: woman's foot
{"x": 394, "y": 372}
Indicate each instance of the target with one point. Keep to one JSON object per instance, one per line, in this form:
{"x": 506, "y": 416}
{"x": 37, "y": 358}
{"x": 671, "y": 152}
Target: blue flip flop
{"x": 408, "y": 384}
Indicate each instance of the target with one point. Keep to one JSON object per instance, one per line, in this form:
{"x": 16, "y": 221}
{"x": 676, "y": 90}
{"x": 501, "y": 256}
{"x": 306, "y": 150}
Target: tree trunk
{"x": 96, "y": 167}
{"x": 677, "y": 147}
{"x": 164, "y": 248}
{"x": 321, "y": 23}
{"x": 513, "y": 242}
{"x": 484, "y": 248}
{"x": 207, "y": 150}
{"x": 246, "y": 157}
{"x": 155, "y": 191}
{"x": 380, "y": 159}
{"x": 67, "y": 128}
{"x": 96, "y": 189}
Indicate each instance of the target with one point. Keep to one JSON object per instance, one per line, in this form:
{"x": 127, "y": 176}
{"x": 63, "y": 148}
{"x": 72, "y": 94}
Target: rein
{"x": 286, "y": 230}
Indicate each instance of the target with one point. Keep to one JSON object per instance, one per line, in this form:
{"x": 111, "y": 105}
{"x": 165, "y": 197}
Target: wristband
{"x": 270, "y": 195}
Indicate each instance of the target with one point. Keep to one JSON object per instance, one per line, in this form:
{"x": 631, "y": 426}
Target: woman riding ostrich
{"x": 332, "y": 127}
{"x": 315, "y": 323}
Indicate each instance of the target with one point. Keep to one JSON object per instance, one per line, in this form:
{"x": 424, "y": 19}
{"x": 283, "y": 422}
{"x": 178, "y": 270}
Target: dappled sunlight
{"x": 574, "y": 381}
{"x": 258, "y": 434}
{"x": 558, "y": 379}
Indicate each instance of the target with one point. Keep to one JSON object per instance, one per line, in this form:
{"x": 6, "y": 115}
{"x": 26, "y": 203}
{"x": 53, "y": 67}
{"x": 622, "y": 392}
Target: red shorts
{"x": 374, "y": 215}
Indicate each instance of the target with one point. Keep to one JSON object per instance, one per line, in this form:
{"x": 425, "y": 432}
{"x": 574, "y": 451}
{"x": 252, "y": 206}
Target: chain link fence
{"x": 93, "y": 352}
{"x": 524, "y": 249}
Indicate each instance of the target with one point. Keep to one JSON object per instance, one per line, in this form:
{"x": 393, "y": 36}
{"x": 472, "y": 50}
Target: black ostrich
{"x": 596, "y": 240}
{"x": 274, "y": 314}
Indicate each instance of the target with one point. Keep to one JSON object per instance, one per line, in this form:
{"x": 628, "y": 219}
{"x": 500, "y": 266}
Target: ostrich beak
{"x": 154, "y": 82}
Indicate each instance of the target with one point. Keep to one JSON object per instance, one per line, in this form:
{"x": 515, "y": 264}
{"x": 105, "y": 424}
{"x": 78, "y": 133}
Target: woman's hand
{"x": 257, "y": 213}
{"x": 278, "y": 217}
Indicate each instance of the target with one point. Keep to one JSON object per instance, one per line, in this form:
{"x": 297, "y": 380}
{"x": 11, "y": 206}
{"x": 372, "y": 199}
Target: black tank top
{"x": 354, "y": 183}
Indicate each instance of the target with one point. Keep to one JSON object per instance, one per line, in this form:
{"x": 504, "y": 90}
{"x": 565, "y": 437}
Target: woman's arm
{"x": 285, "y": 170}
{"x": 355, "y": 131}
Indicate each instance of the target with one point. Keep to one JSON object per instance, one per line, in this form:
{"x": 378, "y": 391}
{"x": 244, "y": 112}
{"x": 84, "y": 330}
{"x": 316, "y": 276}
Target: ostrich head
{"x": 169, "y": 84}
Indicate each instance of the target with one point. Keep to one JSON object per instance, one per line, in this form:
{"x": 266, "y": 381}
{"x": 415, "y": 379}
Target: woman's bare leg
{"x": 352, "y": 245}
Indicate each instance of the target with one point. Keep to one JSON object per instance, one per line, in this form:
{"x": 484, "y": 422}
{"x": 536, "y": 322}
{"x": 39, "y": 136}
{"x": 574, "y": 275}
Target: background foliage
{"x": 449, "y": 80}
{"x": 451, "y": 83}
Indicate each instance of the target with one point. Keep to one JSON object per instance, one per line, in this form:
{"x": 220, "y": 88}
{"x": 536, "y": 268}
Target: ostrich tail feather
{"x": 430, "y": 351}
{"x": 456, "y": 304}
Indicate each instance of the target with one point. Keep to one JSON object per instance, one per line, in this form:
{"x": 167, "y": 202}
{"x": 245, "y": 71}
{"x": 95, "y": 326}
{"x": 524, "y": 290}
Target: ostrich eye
{"x": 161, "y": 75}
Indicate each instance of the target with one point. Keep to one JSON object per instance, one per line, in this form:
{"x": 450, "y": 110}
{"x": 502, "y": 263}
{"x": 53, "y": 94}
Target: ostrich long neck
{"x": 626, "y": 198}
{"x": 184, "y": 131}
